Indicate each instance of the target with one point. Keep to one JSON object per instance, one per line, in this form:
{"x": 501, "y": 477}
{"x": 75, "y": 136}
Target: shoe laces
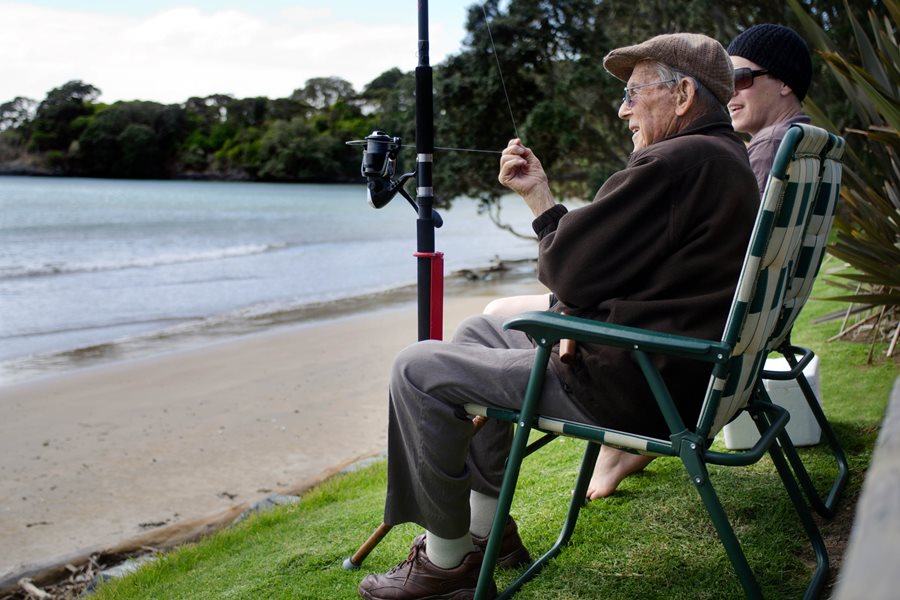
{"x": 410, "y": 560}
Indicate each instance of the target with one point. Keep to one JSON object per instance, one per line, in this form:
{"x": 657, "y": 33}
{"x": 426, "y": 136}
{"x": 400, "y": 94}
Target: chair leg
{"x": 504, "y": 503}
{"x": 826, "y": 507}
{"x": 691, "y": 458}
{"x": 820, "y": 575}
{"x": 517, "y": 453}
{"x": 565, "y": 534}
{"x": 777, "y": 454}
{"x": 591, "y": 452}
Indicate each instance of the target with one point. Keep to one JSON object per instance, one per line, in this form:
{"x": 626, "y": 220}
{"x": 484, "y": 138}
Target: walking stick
{"x": 354, "y": 562}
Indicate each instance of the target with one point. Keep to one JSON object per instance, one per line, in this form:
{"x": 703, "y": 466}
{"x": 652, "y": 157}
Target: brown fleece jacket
{"x": 660, "y": 247}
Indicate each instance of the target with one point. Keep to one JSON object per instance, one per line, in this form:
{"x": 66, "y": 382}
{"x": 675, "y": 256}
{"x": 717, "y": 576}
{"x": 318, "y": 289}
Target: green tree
{"x": 246, "y": 112}
{"x": 141, "y": 155}
{"x": 54, "y": 125}
{"x": 130, "y": 139}
{"x": 205, "y": 133}
{"x": 292, "y": 151}
{"x": 15, "y": 127}
{"x": 313, "y": 149}
{"x": 390, "y": 99}
{"x": 17, "y": 113}
{"x": 322, "y": 92}
{"x": 239, "y": 157}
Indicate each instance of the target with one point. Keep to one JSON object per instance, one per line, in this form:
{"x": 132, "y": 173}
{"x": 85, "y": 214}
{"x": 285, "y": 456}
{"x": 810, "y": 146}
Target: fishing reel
{"x": 379, "y": 164}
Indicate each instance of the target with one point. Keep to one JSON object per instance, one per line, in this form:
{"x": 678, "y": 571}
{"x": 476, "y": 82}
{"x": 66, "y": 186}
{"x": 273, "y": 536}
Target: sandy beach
{"x": 154, "y": 448}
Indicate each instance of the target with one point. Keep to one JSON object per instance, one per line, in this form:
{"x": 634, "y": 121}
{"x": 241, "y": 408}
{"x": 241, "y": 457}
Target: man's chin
{"x": 637, "y": 140}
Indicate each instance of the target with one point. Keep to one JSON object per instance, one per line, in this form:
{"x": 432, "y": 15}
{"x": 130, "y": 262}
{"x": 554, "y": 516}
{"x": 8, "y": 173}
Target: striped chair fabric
{"x": 814, "y": 240}
{"x": 801, "y": 282}
{"x": 768, "y": 267}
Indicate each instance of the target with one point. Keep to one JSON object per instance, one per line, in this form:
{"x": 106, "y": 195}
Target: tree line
{"x": 557, "y": 97}
{"x": 299, "y": 138}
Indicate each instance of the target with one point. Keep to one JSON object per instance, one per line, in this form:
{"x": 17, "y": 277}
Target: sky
{"x": 170, "y": 50}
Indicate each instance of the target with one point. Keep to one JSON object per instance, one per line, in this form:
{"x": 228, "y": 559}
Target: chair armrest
{"x": 547, "y": 328}
{"x": 779, "y": 418}
{"x": 806, "y": 356}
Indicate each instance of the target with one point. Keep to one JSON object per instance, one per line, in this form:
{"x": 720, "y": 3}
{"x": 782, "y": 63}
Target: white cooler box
{"x": 802, "y": 426}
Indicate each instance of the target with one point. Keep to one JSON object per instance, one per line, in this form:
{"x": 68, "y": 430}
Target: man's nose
{"x": 624, "y": 110}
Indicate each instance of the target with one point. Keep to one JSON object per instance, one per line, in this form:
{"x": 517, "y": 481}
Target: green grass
{"x": 652, "y": 539}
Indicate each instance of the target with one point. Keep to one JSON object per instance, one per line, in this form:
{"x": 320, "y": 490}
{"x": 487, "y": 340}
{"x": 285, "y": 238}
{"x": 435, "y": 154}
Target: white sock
{"x": 483, "y": 508}
{"x": 445, "y": 553}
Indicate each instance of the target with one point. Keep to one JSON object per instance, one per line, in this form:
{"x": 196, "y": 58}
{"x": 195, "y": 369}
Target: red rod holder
{"x": 436, "y": 325}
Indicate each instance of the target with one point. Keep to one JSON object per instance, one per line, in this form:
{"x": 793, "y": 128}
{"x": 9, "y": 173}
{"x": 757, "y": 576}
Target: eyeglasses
{"x": 628, "y": 98}
{"x": 743, "y": 77}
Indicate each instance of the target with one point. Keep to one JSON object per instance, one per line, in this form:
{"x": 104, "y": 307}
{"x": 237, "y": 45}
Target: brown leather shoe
{"x": 417, "y": 578}
{"x": 513, "y": 553}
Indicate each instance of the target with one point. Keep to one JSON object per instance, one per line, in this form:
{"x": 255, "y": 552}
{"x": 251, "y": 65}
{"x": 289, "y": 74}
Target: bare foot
{"x": 611, "y": 468}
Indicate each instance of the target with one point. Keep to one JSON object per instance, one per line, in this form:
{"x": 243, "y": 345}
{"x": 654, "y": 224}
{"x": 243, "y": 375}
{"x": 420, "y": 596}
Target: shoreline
{"x": 216, "y": 328}
{"x": 115, "y": 451}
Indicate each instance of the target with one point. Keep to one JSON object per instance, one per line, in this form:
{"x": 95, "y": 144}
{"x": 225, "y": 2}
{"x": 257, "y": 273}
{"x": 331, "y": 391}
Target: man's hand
{"x": 521, "y": 171}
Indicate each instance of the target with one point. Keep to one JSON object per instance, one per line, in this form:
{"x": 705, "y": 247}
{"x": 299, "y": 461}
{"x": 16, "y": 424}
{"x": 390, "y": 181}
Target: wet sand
{"x": 153, "y": 448}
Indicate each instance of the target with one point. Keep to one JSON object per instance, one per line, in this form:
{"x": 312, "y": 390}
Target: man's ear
{"x": 685, "y": 92}
{"x": 785, "y": 90}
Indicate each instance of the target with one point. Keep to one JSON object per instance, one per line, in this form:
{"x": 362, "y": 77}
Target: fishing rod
{"x": 378, "y": 167}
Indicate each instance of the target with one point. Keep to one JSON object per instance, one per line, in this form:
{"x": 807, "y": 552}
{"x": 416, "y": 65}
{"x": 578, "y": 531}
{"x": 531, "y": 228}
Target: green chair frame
{"x": 735, "y": 384}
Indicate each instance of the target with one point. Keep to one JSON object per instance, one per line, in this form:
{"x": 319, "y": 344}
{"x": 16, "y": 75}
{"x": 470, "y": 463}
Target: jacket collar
{"x": 714, "y": 123}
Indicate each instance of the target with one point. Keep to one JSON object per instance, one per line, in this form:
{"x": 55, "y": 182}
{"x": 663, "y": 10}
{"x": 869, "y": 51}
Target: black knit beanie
{"x": 780, "y": 50}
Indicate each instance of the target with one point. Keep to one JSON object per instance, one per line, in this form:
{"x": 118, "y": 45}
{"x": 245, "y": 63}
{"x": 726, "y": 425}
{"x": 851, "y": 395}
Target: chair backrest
{"x": 774, "y": 247}
{"x": 814, "y": 241}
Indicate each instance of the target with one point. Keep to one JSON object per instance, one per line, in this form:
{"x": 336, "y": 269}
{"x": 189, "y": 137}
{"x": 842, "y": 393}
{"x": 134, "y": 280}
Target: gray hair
{"x": 706, "y": 100}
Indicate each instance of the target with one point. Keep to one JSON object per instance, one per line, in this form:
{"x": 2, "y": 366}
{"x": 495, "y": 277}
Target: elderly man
{"x": 660, "y": 247}
{"x": 772, "y": 72}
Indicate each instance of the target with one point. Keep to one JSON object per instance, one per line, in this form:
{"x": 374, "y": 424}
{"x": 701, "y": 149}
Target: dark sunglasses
{"x": 743, "y": 77}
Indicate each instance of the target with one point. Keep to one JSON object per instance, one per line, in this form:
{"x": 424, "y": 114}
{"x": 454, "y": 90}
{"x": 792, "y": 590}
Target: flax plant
{"x": 867, "y": 236}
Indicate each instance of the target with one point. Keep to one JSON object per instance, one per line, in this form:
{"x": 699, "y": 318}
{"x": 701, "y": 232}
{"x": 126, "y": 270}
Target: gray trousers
{"x": 433, "y": 459}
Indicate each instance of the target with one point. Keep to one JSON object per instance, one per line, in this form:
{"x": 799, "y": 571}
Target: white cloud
{"x": 173, "y": 54}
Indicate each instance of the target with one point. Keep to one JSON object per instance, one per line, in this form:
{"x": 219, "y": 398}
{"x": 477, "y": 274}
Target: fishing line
{"x": 457, "y": 149}
{"x": 505, "y": 94}
{"x": 499, "y": 69}
{"x": 469, "y": 150}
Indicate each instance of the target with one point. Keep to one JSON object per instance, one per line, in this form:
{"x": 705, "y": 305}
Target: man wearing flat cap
{"x": 772, "y": 73}
{"x": 660, "y": 247}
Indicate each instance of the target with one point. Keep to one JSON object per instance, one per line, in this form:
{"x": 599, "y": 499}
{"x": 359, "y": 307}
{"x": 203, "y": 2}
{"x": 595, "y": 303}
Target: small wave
{"x": 158, "y": 260}
{"x": 191, "y": 332}
{"x": 185, "y": 332}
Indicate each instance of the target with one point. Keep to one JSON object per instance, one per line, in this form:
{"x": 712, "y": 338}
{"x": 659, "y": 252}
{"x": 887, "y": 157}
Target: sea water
{"x": 92, "y": 267}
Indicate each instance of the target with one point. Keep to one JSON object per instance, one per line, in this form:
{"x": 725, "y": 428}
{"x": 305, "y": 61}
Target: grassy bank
{"x": 652, "y": 539}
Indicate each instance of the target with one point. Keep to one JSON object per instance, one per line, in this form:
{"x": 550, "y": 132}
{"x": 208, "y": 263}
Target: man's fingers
{"x": 510, "y": 166}
{"x": 514, "y": 147}
{"x": 515, "y": 164}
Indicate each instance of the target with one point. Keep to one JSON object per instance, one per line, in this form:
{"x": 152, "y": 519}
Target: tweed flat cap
{"x": 694, "y": 54}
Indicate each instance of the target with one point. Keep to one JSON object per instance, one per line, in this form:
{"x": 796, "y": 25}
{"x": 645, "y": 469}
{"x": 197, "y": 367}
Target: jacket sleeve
{"x": 609, "y": 247}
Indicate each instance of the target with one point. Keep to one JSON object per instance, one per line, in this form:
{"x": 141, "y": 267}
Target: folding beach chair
{"x": 809, "y": 260}
{"x": 735, "y": 384}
